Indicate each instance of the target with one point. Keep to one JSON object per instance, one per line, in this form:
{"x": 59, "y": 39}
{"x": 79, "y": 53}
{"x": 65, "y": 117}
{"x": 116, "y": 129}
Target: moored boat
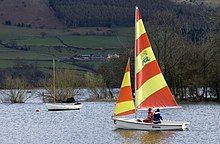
{"x": 63, "y": 106}
{"x": 71, "y": 104}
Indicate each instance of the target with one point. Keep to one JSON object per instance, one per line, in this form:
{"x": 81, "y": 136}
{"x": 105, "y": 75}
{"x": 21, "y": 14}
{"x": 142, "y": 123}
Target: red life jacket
{"x": 150, "y": 115}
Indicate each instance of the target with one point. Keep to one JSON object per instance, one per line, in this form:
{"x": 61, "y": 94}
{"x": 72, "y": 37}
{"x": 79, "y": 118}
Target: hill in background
{"x": 34, "y": 13}
{"x": 212, "y": 3}
{"x": 92, "y": 13}
{"x": 184, "y": 38}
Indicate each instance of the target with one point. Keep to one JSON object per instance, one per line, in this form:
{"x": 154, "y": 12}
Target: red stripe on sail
{"x": 126, "y": 113}
{"x": 148, "y": 71}
{"x": 142, "y": 43}
{"x": 125, "y": 94}
{"x": 138, "y": 14}
{"x": 161, "y": 98}
{"x": 128, "y": 66}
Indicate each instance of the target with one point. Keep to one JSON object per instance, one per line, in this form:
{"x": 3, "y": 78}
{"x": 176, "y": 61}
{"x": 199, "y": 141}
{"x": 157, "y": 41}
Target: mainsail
{"x": 125, "y": 103}
{"x": 151, "y": 89}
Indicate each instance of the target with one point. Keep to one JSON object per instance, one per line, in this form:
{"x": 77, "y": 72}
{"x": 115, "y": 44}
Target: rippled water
{"x": 19, "y": 123}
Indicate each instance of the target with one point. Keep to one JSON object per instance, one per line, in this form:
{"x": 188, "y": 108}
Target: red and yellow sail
{"x": 151, "y": 87}
{"x": 125, "y": 103}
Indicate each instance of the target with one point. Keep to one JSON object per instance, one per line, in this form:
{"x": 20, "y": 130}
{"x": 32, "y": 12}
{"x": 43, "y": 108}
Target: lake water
{"x": 20, "y": 124}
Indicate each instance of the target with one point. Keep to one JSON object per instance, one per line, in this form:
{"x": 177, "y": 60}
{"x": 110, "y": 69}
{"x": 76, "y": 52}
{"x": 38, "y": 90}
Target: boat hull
{"x": 63, "y": 106}
{"x": 133, "y": 124}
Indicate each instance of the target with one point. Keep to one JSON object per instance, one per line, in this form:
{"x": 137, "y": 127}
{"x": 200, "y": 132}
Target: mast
{"x": 135, "y": 21}
{"x": 54, "y": 87}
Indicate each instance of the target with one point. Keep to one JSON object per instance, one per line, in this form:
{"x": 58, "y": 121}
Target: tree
{"x": 66, "y": 86}
{"x": 17, "y": 90}
{"x": 96, "y": 85}
{"x": 8, "y": 22}
{"x": 112, "y": 70}
{"x": 43, "y": 34}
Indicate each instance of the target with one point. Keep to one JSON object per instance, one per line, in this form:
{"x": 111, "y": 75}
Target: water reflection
{"x": 145, "y": 137}
{"x": 129, "y": 136}
{"x": 126, "y": 133}
{"x": 155, "y": 137}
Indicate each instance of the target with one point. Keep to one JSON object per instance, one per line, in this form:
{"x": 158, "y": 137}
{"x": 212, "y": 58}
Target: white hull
{"x": 63, "y": 106}
{"x": 133, "y": 124}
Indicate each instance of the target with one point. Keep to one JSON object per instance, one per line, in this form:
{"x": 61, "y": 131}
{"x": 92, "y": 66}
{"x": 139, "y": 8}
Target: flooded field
{"x": 20, "y": 124}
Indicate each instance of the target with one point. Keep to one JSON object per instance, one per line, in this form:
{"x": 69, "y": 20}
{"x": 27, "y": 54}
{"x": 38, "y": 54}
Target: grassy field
{"x": 35, "y": 41}
{"x": 44, "y": 45}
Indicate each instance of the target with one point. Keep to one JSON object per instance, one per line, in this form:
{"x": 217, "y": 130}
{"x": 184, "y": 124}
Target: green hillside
{"x": 45, "y": 44}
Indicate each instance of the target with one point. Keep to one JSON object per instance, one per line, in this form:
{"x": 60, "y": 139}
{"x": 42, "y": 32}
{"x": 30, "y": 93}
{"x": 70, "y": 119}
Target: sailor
{"x": 157, "y": 117}
{"x": 150, "y": 115}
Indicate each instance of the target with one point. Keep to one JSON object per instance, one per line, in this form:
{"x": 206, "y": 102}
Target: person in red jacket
{"x": 150, "y": 116}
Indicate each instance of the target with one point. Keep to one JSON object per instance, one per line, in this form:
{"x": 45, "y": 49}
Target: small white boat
{"x": 63, "y": 106}
{"x": 134, "y": 124}
{"x": 151, "y": 89}
{"x": 72, "y": 105}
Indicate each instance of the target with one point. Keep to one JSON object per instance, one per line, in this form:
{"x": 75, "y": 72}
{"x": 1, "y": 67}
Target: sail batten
{"x": 151, "y": 89}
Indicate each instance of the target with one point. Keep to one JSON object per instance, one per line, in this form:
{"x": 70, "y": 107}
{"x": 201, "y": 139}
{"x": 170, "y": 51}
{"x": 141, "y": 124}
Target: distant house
{"x": 86, "y": 57}
{"x": 89, "y": 57}
{"x": 112, "y": 56}
{"x": 97, "y": 58}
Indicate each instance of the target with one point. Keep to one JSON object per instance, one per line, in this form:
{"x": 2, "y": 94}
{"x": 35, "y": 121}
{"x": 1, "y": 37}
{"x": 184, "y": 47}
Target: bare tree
{"x": 66, "y": 86}
{"x": 97, "y": 87}
{"x": 17, "y": 90}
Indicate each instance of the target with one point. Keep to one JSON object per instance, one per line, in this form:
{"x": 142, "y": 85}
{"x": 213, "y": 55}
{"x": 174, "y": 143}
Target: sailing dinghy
{"x": 151, "y": 89}
{"x": 61, "y": 106}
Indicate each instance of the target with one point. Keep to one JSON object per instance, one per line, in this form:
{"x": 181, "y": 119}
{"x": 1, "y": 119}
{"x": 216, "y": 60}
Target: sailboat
{"x": 61, "y": 106}
{"x": 151, "y": 89}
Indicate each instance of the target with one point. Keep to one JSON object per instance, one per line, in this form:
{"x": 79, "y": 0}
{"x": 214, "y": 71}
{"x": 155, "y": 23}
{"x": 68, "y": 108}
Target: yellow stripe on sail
{"x": 126, "y": 80}
{"x": 123, "y": 107}
{"x": 145, "y": 57}
{"x": 139, "y": 28}
{"x": 149, "y": 87}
